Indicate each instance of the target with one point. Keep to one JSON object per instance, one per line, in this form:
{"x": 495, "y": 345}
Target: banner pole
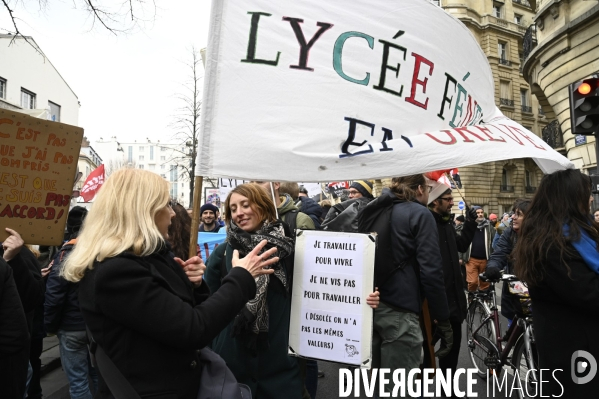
{"x": 274, "y": 200}
{"x": 195, "y": 218}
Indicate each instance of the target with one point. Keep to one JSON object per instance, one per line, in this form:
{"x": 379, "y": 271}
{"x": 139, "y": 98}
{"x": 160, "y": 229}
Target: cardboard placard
{"x": 38, "y": 161}
{"x": 330, "y": 319}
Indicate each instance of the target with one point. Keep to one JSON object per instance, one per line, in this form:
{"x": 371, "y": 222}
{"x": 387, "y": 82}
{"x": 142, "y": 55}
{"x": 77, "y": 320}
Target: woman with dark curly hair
{"x": 179, "y": 231}
{"x": 557, "y": 256}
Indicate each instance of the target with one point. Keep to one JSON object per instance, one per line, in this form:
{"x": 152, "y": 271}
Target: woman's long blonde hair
{"x": 121, "y": 219}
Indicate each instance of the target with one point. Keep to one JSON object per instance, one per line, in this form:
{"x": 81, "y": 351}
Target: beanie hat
{"x": 437, "y": 190}
{"x": 492, "y": 216}
{"x": 209, "y": 207}
{"x": 364, "y": 187}
{"x": 461, "y": 218}
{"x": 75, "y": 219}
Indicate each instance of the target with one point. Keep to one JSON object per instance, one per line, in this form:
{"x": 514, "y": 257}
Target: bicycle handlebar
{"x": 504, "y": 277}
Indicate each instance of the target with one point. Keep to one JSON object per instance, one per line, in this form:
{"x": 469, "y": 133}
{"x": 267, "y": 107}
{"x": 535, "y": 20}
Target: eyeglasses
{"x": 517, "y": 215}
{"x": 352, "y": 192}
{"x": 448, "y": 199}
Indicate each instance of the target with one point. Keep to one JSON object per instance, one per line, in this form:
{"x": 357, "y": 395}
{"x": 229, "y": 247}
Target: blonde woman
{"x": 149, "y": 311}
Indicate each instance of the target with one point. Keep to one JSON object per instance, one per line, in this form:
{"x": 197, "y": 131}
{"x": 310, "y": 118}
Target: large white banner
{"x": 333, "y": 275}
{"x": 306, "y": 90}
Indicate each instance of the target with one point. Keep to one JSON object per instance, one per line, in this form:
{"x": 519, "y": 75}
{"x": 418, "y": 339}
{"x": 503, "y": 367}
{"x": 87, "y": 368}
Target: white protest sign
{"x": 313, "y": 189}
{"x": 226, "y": 185}
{"x": 330, "y": 320}
{"x": 307, "y": 90}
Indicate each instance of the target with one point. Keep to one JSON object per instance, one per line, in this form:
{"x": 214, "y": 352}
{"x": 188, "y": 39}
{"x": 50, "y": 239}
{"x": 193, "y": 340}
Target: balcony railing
{"x": 530, "y": 189}
{"x": 505, "y": 101}
{"x": 529, "y": 42}
{"x": 506, "y": 189}
{"x": 552, "y": 135}
{"x": 526, "y": 108}
{"x": 522, "y": 3}
{"x": 503, "y": 61}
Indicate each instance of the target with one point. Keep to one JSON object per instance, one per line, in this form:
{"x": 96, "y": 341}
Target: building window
{"x": 141, "y": 166}
{"x": 505, "y": 93}
{"x": 27, "y": 99}
{"x": 530, "y": 182}
{"x": 163, "y": 176}
{"x": 506, "y": 182}
{"x": 162, "y": 148}
{"x": 162, "y": 167}
{"x": 162, "y": 158}
{"x": 141, "y": 148}
{"x": 502, "y": 50}
{"x": 526, "y": 107}
{"x": 151, "y": 153}
{"x": 518, "y": 19}
{"x": 130, "y": 154}
{"x": 498, "y": 10}
{"x": 54, "y": 111}
{"x": 141, "y": 157}
{"x": 152, "y": 166}
{"x": 173, "y": 173}
{"x": 2, "y": 88}
{"x": 174, "y": 191}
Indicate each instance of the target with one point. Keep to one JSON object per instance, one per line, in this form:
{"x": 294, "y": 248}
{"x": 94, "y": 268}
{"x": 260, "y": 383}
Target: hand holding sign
{"x": 12, "y": 245}
{"x": 374, "y": 298}
{"x": 254, "y": 262}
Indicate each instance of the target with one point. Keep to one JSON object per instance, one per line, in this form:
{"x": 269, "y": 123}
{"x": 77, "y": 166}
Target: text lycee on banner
{"x": 306, "y": 90}
{"x": 330, "y": 319}
{"x": 39, "y": 162}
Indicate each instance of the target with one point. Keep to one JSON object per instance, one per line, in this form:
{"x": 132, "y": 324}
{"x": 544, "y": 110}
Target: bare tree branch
{"x": 116, "y": 18}
{"x": 186, "y": 121}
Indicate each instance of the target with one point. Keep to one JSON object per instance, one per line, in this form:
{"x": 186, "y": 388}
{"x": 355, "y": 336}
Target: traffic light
{"x": 584, "y": 107}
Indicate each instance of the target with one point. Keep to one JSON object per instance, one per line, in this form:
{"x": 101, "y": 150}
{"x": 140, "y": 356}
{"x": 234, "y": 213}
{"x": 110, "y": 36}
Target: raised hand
{"x": 12, "y": 245}
{"x": 255, "y": 263}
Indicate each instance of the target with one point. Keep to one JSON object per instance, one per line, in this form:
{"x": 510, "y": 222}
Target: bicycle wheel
{"x": 525, "y": 368}
{"x": 481, "y": 337}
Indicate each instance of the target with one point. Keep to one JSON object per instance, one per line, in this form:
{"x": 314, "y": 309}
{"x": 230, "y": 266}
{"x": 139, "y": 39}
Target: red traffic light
{"x": 584, "y": 89}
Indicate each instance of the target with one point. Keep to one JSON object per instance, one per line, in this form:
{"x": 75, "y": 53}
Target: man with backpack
{"x": 408, "y": 268}
{"x": 343, "y": 217}
{"x": 305, "y": 204}
{"x": 286, "y": 207}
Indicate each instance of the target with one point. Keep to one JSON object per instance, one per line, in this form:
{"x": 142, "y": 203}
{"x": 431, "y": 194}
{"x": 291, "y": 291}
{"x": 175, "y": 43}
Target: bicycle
{"x": 489, "y": 350}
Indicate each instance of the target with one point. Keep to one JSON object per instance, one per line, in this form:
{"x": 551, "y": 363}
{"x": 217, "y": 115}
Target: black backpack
{"x": 343, "y": 217}
{"x": 376, "y": 218}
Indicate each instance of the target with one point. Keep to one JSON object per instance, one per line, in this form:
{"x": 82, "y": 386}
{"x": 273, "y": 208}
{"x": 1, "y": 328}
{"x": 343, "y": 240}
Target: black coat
{"x": 14, "y": 337}
{"x": 450, "y": 243}
{"x": 61, "y": 306}
{"x": 310, "y": 208}
{"x": 500, "y": 259}
{"x": 28, "y": 279}
{"x": 151, "y": 322}
{"x": 415, "y": 239}
{"x": 565, "y": 308}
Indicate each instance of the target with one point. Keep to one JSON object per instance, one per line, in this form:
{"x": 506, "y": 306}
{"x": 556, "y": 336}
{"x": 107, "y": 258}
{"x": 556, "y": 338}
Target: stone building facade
{"x": 562, "y": 47}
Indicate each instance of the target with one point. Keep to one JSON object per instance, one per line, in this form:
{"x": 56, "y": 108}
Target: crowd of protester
{"x": 123, "y": 283}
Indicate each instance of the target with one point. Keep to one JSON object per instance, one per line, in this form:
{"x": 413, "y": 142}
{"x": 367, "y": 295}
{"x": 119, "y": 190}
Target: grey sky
{"x": 127, "y": 83}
